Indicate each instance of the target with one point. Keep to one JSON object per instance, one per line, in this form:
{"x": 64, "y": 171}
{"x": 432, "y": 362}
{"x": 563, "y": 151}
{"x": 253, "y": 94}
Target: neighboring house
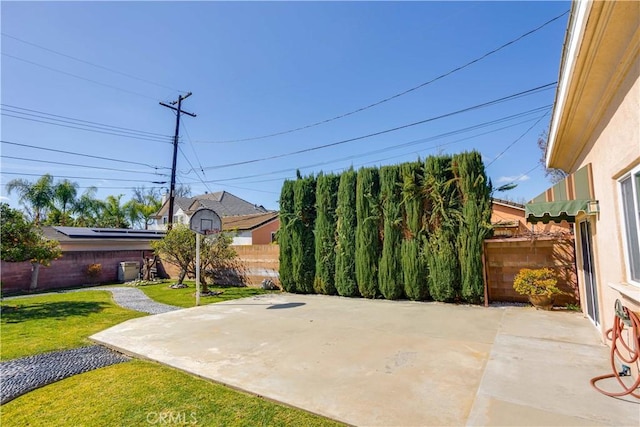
{"x": 82, "y": 247}
{"x": 222, "y": 202}
{"x": 508, "y": 220}
{"x": 255, "y": 229}
{"x": 595, "y": 136}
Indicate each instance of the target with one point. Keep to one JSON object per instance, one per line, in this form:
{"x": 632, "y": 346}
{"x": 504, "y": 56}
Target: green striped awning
{"x": 562, "y": 210}
{"x": 565, "y": 200}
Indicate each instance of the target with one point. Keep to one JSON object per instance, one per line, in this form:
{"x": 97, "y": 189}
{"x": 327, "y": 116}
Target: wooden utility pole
{"x": 172, "y": 191}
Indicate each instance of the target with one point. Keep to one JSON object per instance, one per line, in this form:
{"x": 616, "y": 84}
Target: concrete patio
{"x": 385, "y": 363}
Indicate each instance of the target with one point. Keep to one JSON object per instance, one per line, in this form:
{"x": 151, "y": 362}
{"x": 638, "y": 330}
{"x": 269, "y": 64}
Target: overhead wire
{"x": 83, "y": 155}
{"x": 190, "y": 164}
{"x": 412, "y": 89}
{"x": 43, "y": 114}
{"x": 91, "y": 63}
{"x": 78, "y": 77}
{"x": 85, "y": 129}
{"x": 104, "y": 188}
{"x": 516, "y": 140}
{"x": 407, "y": 144}
{"x": 333, "y": 144}
{"x": 79, "y": 165}
{"x": 193, "y": 149}
{"x": 82, "y": 177}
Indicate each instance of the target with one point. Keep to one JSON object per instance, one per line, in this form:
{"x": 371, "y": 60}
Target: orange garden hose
{"x": 624, "y": 319}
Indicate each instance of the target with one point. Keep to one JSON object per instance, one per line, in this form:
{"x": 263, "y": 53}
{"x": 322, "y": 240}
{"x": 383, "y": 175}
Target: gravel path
{"x": 20, "y": 376}
{"x": 134, "y": 299}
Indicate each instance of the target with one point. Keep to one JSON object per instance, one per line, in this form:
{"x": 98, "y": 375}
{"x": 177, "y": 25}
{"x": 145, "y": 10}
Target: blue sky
{"x": 257, "y": 69}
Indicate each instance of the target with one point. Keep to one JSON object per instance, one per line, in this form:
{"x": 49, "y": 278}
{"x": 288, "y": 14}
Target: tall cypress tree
{"x": 325, "y": 234}
{"x": 442, "y": 218}
{"x": 390, "y": 276}
{"x": 413, "y": 263}
{"x": 303, "y": 246}
{"x": 367, "y": 232}
{"x": 475, "y": 225}
{"x": 345, "y": 277}
{"x": 284, "y": 237}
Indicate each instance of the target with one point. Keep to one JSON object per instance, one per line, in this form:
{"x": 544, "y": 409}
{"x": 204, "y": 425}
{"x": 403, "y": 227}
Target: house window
{"x": 274, "y": 237}
{"x": 177, "y": 219}
{"x": 630, "y": 192}
{"x": 164, "y": 220}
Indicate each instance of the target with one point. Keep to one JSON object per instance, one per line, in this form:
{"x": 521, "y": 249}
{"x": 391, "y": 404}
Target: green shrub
{"x": 390, "y": 274}
{"x": 302, "y": 238}
{"x": 367, "y": 232}
{"x": 346, "y": 236}
{"x": 540, "y": 281}
{"x": 325, "y": 234}
{"x": 284, "y": 237}
{"x": 475, "y": 194}
{"x": 413, "y": 263}
{"x": 442, "y": 219}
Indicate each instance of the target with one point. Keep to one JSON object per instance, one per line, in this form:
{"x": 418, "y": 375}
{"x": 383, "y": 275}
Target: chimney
{"x": 165, "y": 196}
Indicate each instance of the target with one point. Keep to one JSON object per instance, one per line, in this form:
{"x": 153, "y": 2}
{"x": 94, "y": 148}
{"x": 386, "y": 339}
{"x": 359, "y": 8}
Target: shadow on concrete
{"x": 287, "y": 305}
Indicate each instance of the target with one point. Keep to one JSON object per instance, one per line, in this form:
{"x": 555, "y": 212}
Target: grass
{"x": 132, "y": 393}
{"x": 185, "y": 297}
{"x": 50, "y": 322}
{"x": 143, "y": 393}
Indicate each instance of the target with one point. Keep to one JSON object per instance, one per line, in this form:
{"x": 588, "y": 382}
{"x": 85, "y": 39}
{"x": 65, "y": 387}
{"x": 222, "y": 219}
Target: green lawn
{"x": 144, "y": 393}
{"x": 50, "y": 322}
{"x": 185, "y": 297}
{"x": 128, "y": 394}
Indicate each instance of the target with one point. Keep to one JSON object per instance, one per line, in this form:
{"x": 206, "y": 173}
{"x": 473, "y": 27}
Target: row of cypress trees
{"x": 413, "y": 230}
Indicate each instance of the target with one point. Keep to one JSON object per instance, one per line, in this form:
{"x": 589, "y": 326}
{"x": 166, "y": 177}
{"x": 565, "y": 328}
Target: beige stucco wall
{"x": 613, "y": 149}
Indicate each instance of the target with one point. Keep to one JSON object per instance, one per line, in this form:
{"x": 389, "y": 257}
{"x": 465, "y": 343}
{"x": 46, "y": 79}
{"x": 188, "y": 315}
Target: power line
{"x": 83, "y": 155}
{"x": 104, "y": 188}
{"x": 333, "y": 144}
{"x": 86, "y": 129}
{"x": 480, "y": 58}
{"x": 81, "y": 166}
{"x": 407, "y": 144}
{"x": 516, "y": 140}
{"x": 83, "y": 177}
{"x": 198, "y": 176}
{"x": 194, "y": 150}
{"x": 92, "y": 64}
{"x": 77, "y": 76}
{"x": 73, "y": 119}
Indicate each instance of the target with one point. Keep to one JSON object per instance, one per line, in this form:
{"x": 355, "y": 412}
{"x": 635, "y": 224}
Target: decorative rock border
{"x": 20, "y": 376}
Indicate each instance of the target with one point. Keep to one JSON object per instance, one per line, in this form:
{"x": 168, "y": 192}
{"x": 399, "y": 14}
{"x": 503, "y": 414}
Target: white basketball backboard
{"x": 205, "y": 221}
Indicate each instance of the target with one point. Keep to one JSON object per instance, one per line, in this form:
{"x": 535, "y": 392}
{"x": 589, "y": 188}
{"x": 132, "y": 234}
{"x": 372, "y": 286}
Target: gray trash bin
{"x": 128, "y": 271}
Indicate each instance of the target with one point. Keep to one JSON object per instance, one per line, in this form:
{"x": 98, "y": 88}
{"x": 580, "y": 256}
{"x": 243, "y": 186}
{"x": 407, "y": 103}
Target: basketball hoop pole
{"x": 197, "y": 269}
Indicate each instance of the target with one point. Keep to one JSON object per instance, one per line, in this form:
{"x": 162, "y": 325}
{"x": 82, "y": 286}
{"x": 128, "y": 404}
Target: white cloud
{"x": 517, "y": 178}
{"x": 3, "y": 198}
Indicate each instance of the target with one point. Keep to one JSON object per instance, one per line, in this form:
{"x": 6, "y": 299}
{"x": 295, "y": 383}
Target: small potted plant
{"x": 539, "y": 284}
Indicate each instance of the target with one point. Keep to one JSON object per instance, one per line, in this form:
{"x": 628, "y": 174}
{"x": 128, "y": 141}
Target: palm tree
{"x": 113, "y": 215}
{"x": 144, "y": 204}
{"x": 64, "y": 199}
{"x": 35, "y": 197}
{"x": 87, "y": 208}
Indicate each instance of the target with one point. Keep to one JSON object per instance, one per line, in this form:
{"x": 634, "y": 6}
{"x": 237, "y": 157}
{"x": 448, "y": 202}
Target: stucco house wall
{"x": 262, "y": 235}
{"x": 596, "y": 121}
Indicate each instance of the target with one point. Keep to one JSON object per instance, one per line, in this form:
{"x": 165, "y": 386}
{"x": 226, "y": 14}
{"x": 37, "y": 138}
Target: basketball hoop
{"x": 206, "y": 222}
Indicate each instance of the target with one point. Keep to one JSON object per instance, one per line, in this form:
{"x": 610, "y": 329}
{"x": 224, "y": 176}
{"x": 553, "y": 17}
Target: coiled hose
{"x": 624, "y": 319}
